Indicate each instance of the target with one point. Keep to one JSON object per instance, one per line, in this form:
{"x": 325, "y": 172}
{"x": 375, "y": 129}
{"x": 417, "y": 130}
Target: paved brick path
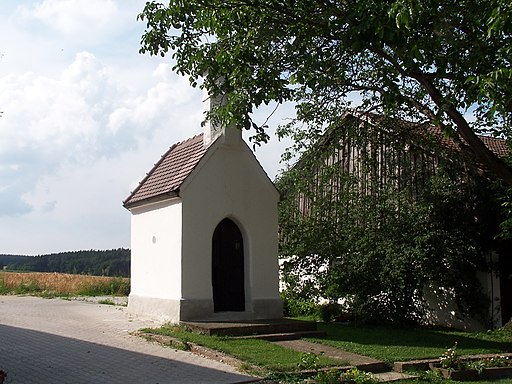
{"x": 364, "y": 363}
{"x": 71, "y": 342}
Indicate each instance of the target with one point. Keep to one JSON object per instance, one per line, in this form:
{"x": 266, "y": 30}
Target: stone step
{"x": 250, "y": 327}
{"x": 423, "y": 365}
{"x": 392, "y": 376}
{"x": 375, "y": 368}
{"x": 284, "y": 336}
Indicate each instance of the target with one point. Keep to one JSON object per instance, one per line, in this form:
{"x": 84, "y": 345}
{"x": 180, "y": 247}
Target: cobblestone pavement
{"x": 54, "y": 341}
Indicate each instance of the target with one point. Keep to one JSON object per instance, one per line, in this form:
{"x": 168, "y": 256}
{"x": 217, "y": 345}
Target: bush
{"x": 328, "y": 377}
{"x": 358, "y": 377}
{"x": 3, "y": 286}
{"x": 294, "y": 306}
{"x": 31, "y": 287}
{"x": 332, "y": 311}
{"x": 110, "y": 287}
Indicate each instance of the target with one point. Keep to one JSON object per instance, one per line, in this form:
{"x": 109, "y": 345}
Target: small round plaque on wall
{"x": 154, "y": 239}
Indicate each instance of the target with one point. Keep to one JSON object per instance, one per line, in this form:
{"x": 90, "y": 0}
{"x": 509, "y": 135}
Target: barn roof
{"x": 498, "y": 146}
{"x": 169, "y": 173}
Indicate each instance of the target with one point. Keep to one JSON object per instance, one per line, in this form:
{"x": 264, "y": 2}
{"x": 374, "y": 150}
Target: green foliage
{"x": 114, "y": 262}
{"x": 435, "y": 61}
{"x": 506, "y": 208}
{"x": 31, "y": 287}
{"x": 380, "y": 236}
{"x": 450, "y": 358}
{"x": 493, "y": 362}
{"x": 308, "y": 361}
{"x": 332, "y": 311}
{"x": 358, "y": 377}
{"x": 111, "y": 287}
{"x": 297, "y": 306}
{"x": 430, "y": 376}
{"x": 106, "y": 302}
{"x": 331, "y": 376}
{"x": 7, "y": 261}
{"x": 4, "y": 290}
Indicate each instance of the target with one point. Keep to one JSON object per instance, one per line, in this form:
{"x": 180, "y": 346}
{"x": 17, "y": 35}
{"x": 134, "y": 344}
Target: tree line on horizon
{"x": 112, "y": 262}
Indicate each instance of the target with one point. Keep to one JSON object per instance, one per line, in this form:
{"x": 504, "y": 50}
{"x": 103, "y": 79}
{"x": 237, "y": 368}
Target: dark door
{"x": 228, "y": 268}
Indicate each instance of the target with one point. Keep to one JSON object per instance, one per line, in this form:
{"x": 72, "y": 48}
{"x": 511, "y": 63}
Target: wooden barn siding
{"x": 377, "y": 161}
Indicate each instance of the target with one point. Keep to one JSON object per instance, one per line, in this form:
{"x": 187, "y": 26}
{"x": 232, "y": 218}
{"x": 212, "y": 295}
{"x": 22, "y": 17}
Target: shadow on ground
{"x": 36, "y": 357}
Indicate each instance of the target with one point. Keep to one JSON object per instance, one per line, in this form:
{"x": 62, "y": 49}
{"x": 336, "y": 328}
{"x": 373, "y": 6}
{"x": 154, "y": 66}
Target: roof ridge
{"x": 189, "y": 139}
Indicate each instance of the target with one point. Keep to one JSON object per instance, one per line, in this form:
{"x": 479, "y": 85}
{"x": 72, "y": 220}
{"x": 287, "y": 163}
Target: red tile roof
{"x": 169, "y": 173}
{"x": 497, "y": 146}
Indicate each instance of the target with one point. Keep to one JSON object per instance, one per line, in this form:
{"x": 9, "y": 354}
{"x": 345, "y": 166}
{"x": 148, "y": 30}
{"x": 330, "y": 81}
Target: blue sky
{"x": 85, "y": 116}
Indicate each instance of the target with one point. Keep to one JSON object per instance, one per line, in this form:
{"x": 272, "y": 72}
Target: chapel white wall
{"x": 156, "y": 250}
{"x": 230, "y": 183}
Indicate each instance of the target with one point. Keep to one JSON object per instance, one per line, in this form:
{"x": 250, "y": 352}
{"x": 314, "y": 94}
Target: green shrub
{"x": 107, "y": 302}
{"x": 294, "y": 306}
{"x": 434, "y": 377}
{"x": 332, "y": 311}
{"x": 308, "y": 360}
{"x": 3, "y": 288}
{"x": 110, "y": 287}
{"x": 358, "y": 377}
{"x": 31, "y": 287}
{"x": 120, "y": 286}
{"x": 331, "y": 376}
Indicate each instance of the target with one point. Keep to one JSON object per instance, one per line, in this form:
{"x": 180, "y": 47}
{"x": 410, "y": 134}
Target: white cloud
{"x": 157, "y": 104}
{"x": 85, "y": 117}
{"x": 82, "y": 115}
{"x": 73, "y": 16}
{"x": 52, "y": 116}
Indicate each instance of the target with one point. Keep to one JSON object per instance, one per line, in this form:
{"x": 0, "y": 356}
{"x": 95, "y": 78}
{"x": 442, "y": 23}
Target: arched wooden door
{"x": 228, "y": 268}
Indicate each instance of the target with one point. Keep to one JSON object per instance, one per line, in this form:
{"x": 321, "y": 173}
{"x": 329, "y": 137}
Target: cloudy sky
{"x": 84, "y": 117}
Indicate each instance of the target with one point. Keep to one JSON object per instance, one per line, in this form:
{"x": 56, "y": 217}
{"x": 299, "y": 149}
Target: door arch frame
{"x": 223, "y": 284}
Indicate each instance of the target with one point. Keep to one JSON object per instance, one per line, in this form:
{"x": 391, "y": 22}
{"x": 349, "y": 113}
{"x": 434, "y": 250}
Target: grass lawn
{"x": 425, "y": 381}
{"x": 268, "y": 356}
{"x": 382, "y": 343}
{"x": 392, "y": 345}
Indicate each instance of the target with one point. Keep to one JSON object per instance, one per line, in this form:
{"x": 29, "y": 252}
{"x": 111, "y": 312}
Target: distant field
{"x": 62, "y": 284}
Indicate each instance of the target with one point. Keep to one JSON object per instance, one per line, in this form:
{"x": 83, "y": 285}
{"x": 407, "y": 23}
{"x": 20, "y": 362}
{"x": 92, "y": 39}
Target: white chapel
{"x": 204, "y": 233}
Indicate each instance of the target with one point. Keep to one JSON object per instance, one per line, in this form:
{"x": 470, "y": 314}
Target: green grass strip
{"x": 391, "y": 344}
{"x": 261, "y": 353}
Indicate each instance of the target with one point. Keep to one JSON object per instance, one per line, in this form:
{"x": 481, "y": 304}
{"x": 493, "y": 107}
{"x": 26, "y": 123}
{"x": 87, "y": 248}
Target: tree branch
{"x": 484, "y": 154}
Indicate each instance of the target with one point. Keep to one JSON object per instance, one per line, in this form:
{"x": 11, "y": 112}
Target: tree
{"x": 378, "y": 230}
{"x": 421, "y": 60}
